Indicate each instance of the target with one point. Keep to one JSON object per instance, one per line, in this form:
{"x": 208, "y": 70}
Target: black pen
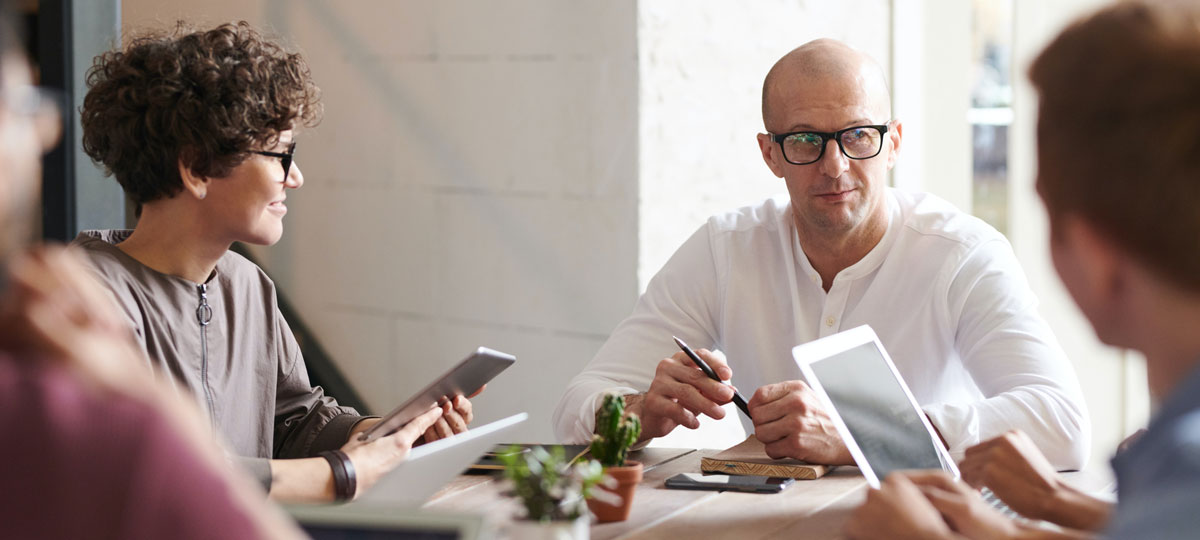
{"x": 737, "y": 396}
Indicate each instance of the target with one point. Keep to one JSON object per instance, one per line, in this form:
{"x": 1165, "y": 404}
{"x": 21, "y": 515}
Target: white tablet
{"x": 875, "y": 413}
{"x": 431, "y": 466}
{"x": 466, "y": 377}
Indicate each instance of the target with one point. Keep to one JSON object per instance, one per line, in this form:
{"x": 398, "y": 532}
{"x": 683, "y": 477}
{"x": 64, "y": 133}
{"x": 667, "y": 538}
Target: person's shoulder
{"x": 100, "y": 245}
{"x": 764, "y": 216}
{"x": 239, "y": 269}
{"x": 1165, "y": 465}
{"x": 1169, "y": 452}
{"x": 931, "y": 217}
{"x": 1182, "y": 444}
{"x": 109, "y": 263}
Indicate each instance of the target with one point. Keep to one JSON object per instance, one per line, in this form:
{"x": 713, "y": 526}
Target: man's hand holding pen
{"x": 680, "y": 392}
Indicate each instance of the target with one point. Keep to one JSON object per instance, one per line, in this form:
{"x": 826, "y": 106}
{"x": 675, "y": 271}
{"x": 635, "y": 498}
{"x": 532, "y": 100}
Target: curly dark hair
{"x": 203, "y": 98}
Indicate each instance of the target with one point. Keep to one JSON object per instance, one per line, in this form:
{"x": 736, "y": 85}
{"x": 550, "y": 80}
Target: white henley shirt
{"x": 942, "y": 289}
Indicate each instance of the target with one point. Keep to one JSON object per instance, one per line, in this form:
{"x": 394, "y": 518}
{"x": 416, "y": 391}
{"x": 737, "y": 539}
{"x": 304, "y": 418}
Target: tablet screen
{"x": 876, "y": 410}
{"x": 466, "y": 377}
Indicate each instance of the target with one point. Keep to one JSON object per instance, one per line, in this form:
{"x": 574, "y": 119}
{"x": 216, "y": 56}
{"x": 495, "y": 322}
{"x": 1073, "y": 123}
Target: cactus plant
{"x": 615, "y": 432}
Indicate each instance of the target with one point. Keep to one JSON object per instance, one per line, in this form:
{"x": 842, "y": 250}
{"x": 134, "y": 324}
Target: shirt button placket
{"x": 835, "y": 303}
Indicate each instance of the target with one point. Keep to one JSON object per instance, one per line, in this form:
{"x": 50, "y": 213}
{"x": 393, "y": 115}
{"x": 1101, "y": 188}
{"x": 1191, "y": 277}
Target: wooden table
{"x": 807, "y": 509}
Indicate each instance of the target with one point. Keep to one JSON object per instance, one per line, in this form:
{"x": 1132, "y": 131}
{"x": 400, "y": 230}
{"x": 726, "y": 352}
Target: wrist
{"x": 633, "y": 406}
{"x": 345, "y": 477}
{"x": 1075, "y": 509}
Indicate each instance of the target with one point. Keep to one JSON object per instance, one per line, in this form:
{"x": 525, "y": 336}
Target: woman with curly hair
{"x": 199, "y": 129}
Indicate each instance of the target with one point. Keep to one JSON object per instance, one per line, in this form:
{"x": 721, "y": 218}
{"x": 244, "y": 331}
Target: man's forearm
{"x": 1030, "y": 532}
{"x": 1077, "y": 510}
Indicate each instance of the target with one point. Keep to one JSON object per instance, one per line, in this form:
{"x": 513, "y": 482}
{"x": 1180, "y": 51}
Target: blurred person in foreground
{"x": 1119, "y": 173}
{"x": 94, "y": 446}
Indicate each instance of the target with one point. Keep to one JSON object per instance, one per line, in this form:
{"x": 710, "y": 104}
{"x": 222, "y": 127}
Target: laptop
{"x": 378, "y": 523}
{"x": 876, "y": 414}
{"x": 430, "y": 466}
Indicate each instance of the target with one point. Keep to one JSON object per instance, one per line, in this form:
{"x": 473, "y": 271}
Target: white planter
{"x": 555, "y": 530}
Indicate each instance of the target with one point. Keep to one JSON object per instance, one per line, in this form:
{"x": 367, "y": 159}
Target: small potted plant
{"x": 615, "y": 433}
{"x": 552, "y": 491}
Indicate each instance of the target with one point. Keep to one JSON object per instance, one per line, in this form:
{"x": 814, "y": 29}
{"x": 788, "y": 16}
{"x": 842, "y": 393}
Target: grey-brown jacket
{"x": 242, "y": 364}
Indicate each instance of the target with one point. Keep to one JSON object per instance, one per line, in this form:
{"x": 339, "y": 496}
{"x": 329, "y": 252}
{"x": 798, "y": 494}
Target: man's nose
{"x": 834, "y": 163}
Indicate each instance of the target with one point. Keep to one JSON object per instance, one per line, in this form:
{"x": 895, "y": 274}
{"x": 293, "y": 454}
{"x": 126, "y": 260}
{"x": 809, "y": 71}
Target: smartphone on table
{"x": 729, "y": 482}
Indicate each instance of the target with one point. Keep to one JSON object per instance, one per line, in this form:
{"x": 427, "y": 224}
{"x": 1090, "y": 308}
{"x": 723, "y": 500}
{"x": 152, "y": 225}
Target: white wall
{"x": 931, "y": 92}
{"x": 473, "y": 183}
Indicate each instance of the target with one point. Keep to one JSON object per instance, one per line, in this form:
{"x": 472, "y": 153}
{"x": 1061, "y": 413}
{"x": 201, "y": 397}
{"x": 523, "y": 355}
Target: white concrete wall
{"x": 931, "y": 92}
{"x": 474, "y": 182}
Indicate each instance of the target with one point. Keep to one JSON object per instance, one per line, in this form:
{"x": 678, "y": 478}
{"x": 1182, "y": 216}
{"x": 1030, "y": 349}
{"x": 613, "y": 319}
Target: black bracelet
{"x": 345, "y": 481}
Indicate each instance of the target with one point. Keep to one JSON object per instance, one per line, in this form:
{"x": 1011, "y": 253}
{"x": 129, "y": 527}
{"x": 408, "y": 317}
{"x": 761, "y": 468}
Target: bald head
{"x": 830, "y": 64}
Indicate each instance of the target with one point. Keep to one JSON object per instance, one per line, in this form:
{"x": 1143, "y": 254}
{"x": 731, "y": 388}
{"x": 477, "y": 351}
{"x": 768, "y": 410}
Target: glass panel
{"x": 991, "y": 108}
{"x": 989, "y": 189}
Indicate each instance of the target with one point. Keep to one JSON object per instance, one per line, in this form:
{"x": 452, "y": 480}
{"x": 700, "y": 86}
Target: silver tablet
{"x": 874, "y": 411}
{"x": 466, "y": 377}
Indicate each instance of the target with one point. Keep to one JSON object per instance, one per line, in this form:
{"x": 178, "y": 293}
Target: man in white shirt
{"x": 942, "y": 290}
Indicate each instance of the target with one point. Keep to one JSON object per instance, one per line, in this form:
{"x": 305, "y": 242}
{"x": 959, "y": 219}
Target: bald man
{"x": 942, "y": 290}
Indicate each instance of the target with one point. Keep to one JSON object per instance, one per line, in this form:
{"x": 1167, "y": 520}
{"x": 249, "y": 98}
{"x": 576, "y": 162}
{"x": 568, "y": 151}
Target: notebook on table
{"x": 750, "y": 457}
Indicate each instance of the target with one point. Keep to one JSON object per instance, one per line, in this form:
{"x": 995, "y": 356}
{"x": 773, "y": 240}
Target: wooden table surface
{"x": 807, "y": 509}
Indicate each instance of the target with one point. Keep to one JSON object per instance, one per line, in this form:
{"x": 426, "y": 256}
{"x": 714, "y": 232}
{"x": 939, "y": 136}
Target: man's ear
{"x": 895, "y": 134}
{"x": 193, "y": 184}
{"x": 773, "y": 158}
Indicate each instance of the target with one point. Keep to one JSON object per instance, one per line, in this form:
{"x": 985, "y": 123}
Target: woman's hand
{"x": 456, "y": 416}
{"x": 374, "y": 459}
{"x": 897, "y": 510}
{"x": 1013, "y": 468}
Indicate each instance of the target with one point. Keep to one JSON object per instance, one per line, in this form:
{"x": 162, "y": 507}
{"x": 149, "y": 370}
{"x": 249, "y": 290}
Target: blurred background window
{"x": 991, "y": 113}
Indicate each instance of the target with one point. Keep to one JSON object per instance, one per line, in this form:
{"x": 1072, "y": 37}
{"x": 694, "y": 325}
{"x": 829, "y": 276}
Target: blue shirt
{"x": 1158, "y": 476}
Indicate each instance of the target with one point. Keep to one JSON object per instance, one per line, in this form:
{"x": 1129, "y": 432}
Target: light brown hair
{"x": 1119, "y": 131}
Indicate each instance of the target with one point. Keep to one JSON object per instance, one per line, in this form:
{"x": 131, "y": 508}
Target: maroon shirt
{"x": 75, "y": 463}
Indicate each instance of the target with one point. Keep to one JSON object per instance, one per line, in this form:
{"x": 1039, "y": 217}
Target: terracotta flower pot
{"x": 627, "y": 477}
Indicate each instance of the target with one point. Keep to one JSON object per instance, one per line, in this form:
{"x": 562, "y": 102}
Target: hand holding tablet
{"x": 464, "y": 379}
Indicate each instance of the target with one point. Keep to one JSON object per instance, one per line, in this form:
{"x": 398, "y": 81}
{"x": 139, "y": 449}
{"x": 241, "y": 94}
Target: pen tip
{"x": 677, "y": 341}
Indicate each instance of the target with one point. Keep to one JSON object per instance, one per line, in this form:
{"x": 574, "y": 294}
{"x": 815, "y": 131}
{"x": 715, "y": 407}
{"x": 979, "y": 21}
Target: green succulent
{"x": 615, "y": 432}
{"x": 549, "y": 486}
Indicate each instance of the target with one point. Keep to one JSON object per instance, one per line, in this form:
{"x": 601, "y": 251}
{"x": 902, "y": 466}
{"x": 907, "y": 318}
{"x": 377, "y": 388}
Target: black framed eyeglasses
{"x": 285, "y": 157}
{"x": 804, "y": 147}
